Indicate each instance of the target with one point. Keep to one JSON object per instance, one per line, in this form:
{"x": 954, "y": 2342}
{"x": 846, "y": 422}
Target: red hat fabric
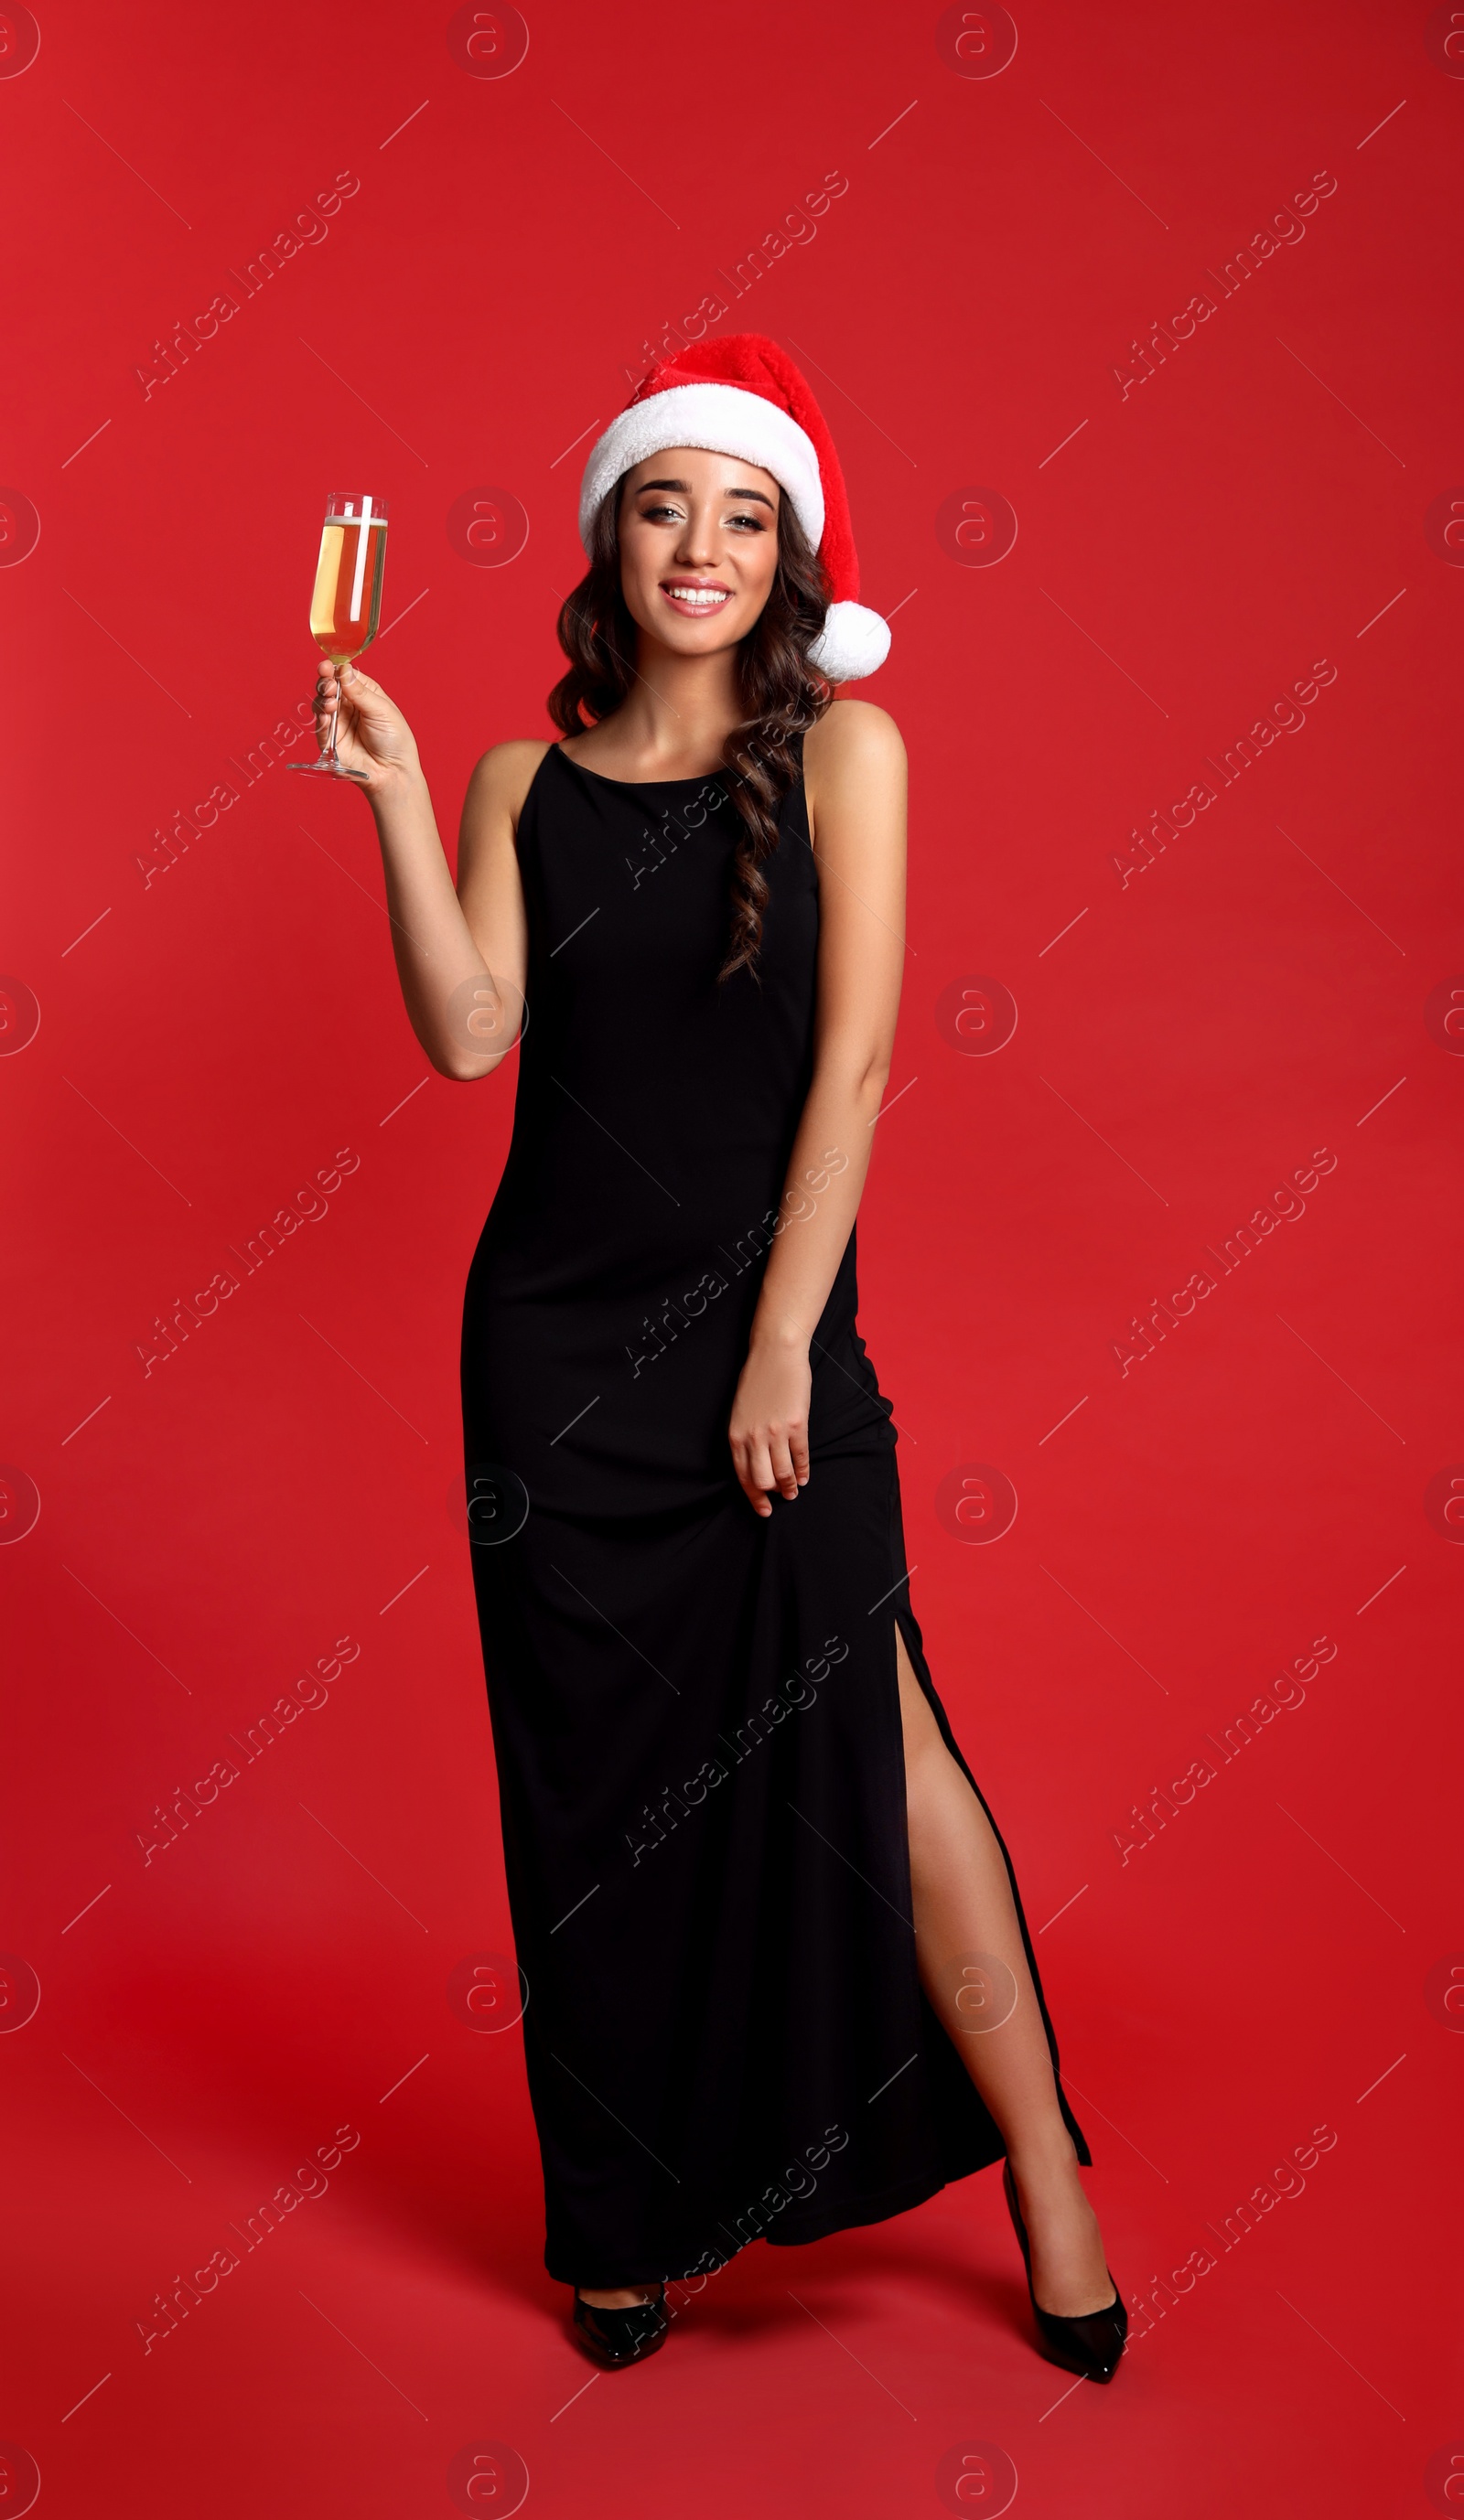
{"x": 743, "y": 395}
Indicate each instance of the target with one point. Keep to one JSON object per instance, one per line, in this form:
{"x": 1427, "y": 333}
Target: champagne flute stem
{"x": 330, "y": 754}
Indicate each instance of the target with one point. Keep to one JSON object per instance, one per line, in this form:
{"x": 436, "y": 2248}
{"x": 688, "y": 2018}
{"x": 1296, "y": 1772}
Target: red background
{"x": 208, "y": 1039}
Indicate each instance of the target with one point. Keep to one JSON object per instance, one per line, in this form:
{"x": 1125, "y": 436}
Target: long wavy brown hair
{"x": 781, "y": 693}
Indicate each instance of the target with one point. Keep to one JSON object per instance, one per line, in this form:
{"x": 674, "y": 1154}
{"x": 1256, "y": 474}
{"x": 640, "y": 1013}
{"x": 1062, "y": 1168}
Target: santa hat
{"x": 743, "y": 395}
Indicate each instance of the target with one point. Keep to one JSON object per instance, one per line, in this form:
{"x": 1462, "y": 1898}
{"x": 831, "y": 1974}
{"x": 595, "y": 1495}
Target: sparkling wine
{"x": 347, "y": 603}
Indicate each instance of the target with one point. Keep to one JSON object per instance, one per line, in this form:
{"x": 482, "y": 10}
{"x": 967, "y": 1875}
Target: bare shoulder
{"x": 503, "y": 775}
{"x": 854, "y": 736}
{"x": 855, "y": 777}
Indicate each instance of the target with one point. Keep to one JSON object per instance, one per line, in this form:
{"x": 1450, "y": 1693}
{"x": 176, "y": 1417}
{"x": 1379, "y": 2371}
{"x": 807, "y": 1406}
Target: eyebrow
{"x": 684, "y": 488}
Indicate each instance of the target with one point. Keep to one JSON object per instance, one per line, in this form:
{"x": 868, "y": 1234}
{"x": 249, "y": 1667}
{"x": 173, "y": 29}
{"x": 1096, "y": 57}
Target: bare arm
{"x": 855, "y": 771}
{"x": 461, "y": 953}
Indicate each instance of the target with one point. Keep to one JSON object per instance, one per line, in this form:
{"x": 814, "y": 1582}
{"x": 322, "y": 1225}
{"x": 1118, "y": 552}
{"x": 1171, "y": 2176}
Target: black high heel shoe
{"x": 1091, "y": 2345}
{"x": 616, "y": 2338}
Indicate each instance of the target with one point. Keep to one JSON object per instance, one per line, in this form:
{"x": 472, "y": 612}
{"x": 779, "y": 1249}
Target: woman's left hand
{"x": 769, "y": 1429}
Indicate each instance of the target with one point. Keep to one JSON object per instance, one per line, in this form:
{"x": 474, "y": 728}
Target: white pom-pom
{"x": 852, "y": 643}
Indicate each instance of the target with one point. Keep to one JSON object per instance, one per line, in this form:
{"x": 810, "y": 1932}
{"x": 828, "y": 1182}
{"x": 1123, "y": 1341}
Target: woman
{"x": 778, "y": 1977}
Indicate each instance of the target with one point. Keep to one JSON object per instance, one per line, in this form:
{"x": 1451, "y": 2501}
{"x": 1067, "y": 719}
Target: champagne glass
{"x": 347, "y": 603}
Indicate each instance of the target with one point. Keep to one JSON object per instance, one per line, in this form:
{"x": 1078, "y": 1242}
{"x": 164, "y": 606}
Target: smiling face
{"x": 698, "y": 548}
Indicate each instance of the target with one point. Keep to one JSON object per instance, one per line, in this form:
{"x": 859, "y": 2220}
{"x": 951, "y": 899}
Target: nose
{"x": 698, "y": 545}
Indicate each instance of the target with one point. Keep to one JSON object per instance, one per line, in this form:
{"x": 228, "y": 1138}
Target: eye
{"x": 652, "y": 514}
{"x": 756, "y": 524}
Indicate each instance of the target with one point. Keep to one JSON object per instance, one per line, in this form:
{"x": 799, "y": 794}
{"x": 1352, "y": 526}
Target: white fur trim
{"x": 852, "y": 643}
{"x": 725, "y": 421}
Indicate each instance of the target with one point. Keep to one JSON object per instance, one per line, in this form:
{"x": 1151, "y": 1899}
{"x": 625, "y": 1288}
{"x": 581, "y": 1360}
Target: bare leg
{"x": 619, "y": 2297}
{"x": 963, "y": 1907}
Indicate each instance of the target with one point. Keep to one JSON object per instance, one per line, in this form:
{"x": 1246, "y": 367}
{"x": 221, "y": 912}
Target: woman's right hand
{"x": 371, "y": 735}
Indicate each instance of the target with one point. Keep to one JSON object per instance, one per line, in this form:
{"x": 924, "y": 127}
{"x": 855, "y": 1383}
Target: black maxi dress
{"x": 695, "y": 1711}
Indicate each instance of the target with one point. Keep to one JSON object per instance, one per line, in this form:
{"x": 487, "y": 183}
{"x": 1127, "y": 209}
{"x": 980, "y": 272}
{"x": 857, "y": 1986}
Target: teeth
{"x": 707, "y": 595}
